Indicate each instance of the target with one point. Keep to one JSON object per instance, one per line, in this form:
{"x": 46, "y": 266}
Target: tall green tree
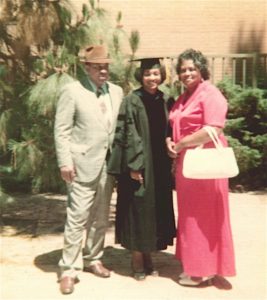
{"x": 40, "y": 43}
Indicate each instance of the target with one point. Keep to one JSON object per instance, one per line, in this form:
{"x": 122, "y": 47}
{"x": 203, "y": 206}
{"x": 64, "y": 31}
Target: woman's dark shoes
{"x": 152, "y": 272}
{"x": 148, "y": 265}
{"x": 139, "y": 276}
{"x": 138, "y": 266}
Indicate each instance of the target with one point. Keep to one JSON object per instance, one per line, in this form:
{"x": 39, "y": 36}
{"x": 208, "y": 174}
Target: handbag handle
{"x": 214, "y": 136}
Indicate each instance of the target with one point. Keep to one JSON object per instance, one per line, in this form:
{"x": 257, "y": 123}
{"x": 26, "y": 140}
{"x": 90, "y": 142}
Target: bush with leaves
{"x": 247, "y": 130}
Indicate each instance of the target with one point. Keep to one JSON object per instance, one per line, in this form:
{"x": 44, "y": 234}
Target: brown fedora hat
{"x": 96, "y": 54}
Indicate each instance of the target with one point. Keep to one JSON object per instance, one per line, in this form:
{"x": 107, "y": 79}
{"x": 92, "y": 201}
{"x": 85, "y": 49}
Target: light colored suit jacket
{"x": 82, "y": 138}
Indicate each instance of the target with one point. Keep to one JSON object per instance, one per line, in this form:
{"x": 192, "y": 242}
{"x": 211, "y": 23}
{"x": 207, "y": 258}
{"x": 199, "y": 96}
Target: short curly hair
{"x": 199, "y": 60}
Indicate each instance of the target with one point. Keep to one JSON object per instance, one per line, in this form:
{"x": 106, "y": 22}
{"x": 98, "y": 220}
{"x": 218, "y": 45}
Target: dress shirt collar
{"x": 89, "y": 85}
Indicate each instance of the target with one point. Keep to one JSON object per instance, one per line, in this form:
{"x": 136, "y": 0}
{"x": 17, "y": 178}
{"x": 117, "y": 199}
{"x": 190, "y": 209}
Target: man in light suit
{"x": 84, "y": 129}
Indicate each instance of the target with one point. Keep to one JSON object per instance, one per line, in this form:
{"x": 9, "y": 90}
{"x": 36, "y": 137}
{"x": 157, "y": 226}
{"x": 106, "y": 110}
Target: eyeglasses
{"x": 98, "y": 67}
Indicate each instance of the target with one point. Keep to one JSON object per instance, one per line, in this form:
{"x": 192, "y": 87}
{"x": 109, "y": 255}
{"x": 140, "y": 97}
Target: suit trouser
{"x": 88, "y": 208}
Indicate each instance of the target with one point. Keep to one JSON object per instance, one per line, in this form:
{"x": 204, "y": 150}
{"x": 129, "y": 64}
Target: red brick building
{"x": 167, "y": 27}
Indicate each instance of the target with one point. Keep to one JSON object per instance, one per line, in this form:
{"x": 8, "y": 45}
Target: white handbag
{"x": 210, "y": 163}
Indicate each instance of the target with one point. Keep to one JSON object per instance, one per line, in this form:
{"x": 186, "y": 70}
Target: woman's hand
{"x": 137, "y": 175}
{"x": 178, "y": 147}
{"x": 171, "y": 148}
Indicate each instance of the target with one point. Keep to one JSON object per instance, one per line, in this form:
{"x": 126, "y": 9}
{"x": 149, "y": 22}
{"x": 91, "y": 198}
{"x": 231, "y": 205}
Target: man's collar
{"x": 89, "y": 85}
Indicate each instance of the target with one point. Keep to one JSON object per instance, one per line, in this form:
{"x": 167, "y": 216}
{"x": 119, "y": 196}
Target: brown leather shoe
{"x": 67, "y": 285}
{"x": 98, "y": 269}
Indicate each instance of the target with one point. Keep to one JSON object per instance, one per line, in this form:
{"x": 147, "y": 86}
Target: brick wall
{"x": 167, "y": 27}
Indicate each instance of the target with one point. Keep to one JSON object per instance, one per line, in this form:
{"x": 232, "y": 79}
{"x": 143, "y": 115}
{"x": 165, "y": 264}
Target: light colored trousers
{"x": 88, "y": 208}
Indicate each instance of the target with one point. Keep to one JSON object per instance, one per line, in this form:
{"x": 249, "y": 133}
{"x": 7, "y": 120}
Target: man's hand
{"x": 67, "y": 173}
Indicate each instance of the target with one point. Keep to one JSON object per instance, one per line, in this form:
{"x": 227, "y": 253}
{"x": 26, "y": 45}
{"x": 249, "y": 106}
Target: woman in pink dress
{"x": 204, "y": 237}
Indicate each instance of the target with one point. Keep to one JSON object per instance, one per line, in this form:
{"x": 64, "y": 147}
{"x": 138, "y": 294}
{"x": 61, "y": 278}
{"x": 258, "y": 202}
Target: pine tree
{"x": 40, "y": 43}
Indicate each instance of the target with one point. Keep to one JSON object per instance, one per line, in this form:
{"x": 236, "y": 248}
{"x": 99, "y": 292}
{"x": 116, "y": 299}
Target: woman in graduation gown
{"x": 144, "y": 213}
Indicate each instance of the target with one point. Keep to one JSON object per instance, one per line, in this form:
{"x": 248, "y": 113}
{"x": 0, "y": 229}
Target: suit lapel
{"x": 95, "y": 104}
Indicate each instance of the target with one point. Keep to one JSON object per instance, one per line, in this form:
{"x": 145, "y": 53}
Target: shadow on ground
{"x": 33, "y": 215}
{"x": 117, "y": 260}
{"x": 36, "y": 215}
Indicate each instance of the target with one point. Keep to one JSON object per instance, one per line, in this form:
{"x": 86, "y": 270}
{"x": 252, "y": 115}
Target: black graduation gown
{"x": 144, "y": 213}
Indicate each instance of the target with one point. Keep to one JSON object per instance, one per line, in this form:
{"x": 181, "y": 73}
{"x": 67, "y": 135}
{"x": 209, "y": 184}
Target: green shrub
{"x": 246, "y": 128}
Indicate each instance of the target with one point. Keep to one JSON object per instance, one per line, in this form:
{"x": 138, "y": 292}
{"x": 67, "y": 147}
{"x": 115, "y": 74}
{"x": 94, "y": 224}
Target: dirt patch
{"x": 36, "y": 215}
{"x": 33, "y": 215}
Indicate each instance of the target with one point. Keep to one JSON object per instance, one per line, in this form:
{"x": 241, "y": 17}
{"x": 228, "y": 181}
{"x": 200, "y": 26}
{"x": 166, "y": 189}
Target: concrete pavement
{"x": 28, "y": 261}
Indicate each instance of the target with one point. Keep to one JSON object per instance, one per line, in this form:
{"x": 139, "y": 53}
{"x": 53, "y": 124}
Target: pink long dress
{"x": 204, "y": 237}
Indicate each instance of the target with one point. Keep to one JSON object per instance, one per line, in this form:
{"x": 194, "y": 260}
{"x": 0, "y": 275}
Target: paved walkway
{"x": 30, "y": 252}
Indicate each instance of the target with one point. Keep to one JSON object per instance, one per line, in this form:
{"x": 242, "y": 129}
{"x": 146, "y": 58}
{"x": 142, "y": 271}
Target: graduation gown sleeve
{"x": 127, "y": 150}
